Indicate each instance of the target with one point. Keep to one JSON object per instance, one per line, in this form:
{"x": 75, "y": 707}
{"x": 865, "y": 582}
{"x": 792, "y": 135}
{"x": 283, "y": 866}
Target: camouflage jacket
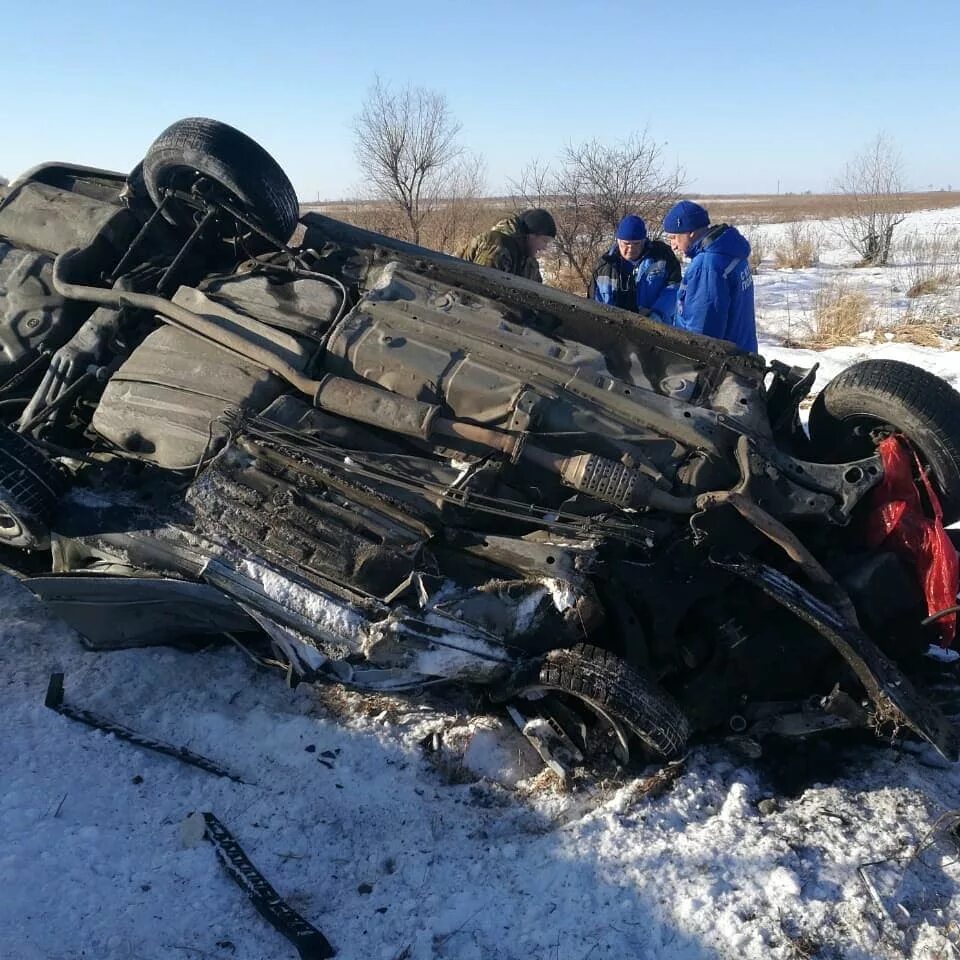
{"x": 503, "y": 248}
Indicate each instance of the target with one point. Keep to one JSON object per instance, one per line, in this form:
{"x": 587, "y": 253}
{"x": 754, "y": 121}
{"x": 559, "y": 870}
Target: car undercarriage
{"x": 387, "y": 468}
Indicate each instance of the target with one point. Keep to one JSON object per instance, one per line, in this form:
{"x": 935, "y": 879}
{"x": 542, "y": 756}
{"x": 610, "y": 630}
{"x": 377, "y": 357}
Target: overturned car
{"x": 387, "y": 468}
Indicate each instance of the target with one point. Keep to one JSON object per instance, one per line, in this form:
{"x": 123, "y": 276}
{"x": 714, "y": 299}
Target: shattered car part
{"x": 550, "y": 740}
{"x": 309, "y": 942}
{"x": 388, "y": 468}
{"x": 54, "y": 701}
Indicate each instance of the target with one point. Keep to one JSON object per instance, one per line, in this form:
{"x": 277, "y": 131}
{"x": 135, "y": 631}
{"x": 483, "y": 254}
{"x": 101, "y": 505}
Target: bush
{"x": 800, "y": 247}
{"x": 839, "y": 315}
{"x": 873, "y": 191}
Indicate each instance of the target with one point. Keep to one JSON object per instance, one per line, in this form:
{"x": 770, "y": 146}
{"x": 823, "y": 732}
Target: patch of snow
{"x": 92, "y": 862}
{"x": 335, "y": 619}
{"x": 500, "y": 755}
{"x": 562, "y": 592}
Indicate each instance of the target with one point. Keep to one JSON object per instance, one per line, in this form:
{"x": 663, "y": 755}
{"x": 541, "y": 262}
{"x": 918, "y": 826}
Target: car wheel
{"x": 614, "y": 691}
{"x": 30, "y": 486}
{"x": 875, "y": 398}
{"x": 196, "y": 148}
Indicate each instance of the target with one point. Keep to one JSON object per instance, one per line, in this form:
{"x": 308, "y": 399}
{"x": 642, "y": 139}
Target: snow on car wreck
{"x": 386, "y": 468}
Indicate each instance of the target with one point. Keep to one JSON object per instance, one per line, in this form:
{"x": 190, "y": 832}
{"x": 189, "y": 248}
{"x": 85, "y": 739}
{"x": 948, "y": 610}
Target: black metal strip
{"x": 310, "y": 943}
{"x": 54, "y": 700}
{"x": 894, "y": 696}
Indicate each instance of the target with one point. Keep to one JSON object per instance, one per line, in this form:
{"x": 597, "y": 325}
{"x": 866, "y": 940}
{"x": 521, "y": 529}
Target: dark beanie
{"x": 538, "y": 221}
{"x": 685, "y": 217}
{"x": 631, "y": 229}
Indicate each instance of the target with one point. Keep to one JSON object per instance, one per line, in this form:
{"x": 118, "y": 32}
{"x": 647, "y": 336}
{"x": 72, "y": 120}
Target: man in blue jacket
{"x": 716, "y": 295}
{"x": 637, "y": 273}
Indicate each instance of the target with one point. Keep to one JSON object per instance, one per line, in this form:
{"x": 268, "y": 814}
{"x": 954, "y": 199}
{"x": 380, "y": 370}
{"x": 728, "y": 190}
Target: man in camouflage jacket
{"x": 514, "y": 244}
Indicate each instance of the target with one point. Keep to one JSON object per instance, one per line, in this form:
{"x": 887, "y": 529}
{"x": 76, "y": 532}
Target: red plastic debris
{"x": 897, "y": 520}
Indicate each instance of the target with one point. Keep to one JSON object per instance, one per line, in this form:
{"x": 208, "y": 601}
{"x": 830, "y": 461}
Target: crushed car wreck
{"x": 390, "y": 468}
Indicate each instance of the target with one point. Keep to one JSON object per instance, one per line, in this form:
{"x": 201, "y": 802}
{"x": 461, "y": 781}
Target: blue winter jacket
{"x": 716, "y": 295}
{"x": 650, "y": 283}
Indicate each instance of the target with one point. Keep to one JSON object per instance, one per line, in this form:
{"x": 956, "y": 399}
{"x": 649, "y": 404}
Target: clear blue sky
{"x": 744, "y": 94}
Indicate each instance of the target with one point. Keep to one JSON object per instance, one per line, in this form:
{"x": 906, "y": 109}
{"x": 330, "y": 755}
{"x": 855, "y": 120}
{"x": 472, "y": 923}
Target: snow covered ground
{"x": 786, "y": 298}
{"x": 396, "y": 851}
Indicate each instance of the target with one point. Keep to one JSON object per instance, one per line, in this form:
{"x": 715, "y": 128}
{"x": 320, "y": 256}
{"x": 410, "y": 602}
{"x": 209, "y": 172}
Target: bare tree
{"x": 593, "y": 187}
{"x": 873, "y": 187}
{"x": 459, "y": 213}
{"x": 405, "y": 142}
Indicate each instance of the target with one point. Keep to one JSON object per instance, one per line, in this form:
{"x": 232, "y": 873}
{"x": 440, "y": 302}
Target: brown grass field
{"x": 728, "y": 208}
{"x": 788, "y": 207}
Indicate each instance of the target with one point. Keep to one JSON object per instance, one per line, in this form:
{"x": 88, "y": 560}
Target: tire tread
{"x": 634, "y": 699}
{"x": 30, "y": 486}
{"x": 233, "y": 159}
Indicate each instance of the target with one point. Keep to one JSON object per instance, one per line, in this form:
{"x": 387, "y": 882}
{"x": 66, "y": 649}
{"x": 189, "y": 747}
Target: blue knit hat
{"x": 685, "y": 217}
{"x": 631, "y": 229}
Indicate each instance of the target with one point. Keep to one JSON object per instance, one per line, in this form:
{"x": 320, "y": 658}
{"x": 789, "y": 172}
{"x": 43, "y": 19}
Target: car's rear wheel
{"x": 614, "y": 691}
{"x": 875, "y": 398}
{"x": 30, "y": 485}
{"x": 234, "y": 167}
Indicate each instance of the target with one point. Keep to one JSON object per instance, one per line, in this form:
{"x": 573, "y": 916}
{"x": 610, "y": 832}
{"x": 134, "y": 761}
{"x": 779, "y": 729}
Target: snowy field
{"x": 786, "y": 299}
{"x": 398, "y": 851}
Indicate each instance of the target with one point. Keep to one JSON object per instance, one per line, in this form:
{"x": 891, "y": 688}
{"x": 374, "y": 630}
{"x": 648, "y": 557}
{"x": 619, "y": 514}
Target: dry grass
{"x": 564, "y": 277}
{"x": 919, "y": 334}
{"x": 735, "y": 209}
{"x": 799, "y": 248}
{"x": 785, "y": 208}
{"x": 933, "y": 314}
{"x": 926, "y": 286}
{"x": 840, "y": 314}
{"x": 447, "y": 229}
{"x": 931, "y": 262}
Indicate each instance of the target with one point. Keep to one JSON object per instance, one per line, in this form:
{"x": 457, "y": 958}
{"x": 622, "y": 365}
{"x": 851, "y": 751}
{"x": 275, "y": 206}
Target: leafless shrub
{"x": 800, "y": 247}
{"x": 871, "y": 184}
{"x": 839, "y": 315}
{"x": 405, "y": 144}
{"x": 930, "y": 262}
{"x": 593, "y": 186}
{"x": 560, "y": 274}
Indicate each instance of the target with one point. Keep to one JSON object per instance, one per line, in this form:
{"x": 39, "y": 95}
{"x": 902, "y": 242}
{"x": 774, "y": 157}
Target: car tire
{"x": 882, "y": 396}
{"x": 612, "y": 688}
{"x": 232, "y": 160}
{"x": 30, "y": 486}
